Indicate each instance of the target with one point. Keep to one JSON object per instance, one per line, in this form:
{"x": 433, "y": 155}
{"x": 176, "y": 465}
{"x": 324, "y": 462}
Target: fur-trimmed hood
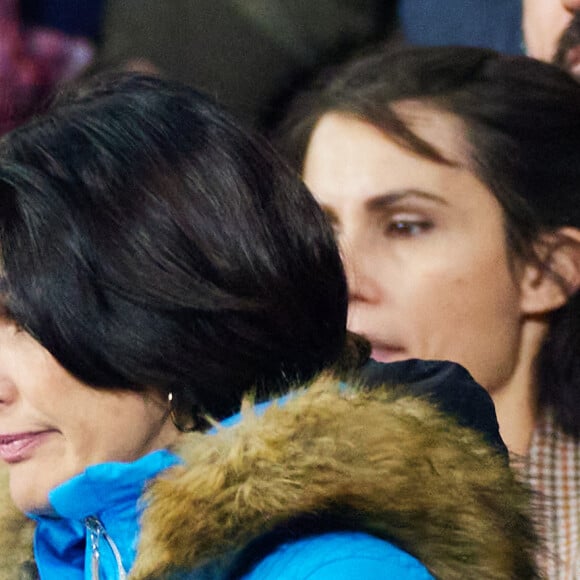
{"x": 15, "y": 534}
{"x": 375, "y": 461}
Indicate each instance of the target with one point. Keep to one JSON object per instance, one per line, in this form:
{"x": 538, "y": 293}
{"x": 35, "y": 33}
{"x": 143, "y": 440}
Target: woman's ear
{"x": 547, "y": 284}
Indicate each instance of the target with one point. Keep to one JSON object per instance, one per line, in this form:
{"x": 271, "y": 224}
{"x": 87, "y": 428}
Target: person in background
{"x": 552, "y": 32}
{"x": 451, "y": 178}
{"x": 545, "y": 29}
{"x": 158, "y": 265}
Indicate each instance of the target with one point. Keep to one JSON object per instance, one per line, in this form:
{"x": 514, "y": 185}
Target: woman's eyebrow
{"x": 389, "y": 198}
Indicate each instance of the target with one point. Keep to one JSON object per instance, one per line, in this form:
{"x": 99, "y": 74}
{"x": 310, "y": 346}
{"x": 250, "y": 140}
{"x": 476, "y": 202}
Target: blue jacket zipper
{"x": 96, "y": 532}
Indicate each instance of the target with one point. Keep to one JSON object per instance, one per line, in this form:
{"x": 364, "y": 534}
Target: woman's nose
{"x": 363, "y": 285}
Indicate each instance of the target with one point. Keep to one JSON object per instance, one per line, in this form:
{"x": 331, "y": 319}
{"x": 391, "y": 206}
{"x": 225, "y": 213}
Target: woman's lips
{"x": 20, "y": 446}
{"x": 387, "y": 353}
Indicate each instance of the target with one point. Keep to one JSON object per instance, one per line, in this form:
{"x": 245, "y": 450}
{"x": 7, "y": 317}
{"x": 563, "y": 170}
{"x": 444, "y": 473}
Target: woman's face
{"x": 423, "y": 243}
{"x": 52, "y": 426}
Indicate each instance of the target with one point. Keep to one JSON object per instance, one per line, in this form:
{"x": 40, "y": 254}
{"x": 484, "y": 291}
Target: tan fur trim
{"x": 396, "y": 463}
{"x": 16, "y": 532}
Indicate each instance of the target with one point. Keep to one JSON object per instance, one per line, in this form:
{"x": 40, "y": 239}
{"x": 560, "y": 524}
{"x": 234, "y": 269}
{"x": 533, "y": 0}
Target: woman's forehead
{"x": 345, "y": 149}
{"x": 443, "y": 130}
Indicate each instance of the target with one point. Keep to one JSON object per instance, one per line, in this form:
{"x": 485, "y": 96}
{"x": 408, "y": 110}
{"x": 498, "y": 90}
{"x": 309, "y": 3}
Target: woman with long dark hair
{"x": 451, "y": 176}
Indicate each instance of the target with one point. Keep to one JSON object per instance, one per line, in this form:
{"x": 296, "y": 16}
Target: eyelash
{"x": 400, "y": 228}
{"x": 407, "y": 227}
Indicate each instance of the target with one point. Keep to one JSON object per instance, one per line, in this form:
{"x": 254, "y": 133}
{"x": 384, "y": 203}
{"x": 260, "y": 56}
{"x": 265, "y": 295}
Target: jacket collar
{"x": 96, "y": 517}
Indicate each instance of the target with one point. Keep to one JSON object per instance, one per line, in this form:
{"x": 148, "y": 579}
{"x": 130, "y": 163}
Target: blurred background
{"x": 249, "y": 54}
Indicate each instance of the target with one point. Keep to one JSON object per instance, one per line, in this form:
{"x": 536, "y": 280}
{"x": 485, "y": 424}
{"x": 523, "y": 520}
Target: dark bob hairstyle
{"x": 146, "y": 240}
{"x": 522, "y": 120}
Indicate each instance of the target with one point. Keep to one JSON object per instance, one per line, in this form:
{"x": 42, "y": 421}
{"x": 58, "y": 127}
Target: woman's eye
{"x": 408, "y": 228}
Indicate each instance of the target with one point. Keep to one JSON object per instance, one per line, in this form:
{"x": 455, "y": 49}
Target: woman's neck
{"x": 516, "y": 411}
{"x": 516, "y": 401}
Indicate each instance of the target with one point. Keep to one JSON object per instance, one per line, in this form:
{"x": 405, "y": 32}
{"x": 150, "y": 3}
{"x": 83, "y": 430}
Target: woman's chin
{"x": 27, "y": 497}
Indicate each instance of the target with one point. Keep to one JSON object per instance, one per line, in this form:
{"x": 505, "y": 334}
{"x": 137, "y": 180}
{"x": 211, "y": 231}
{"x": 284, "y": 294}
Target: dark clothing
{"x": 486, "y": 23}
{"x": 448, "y": 385}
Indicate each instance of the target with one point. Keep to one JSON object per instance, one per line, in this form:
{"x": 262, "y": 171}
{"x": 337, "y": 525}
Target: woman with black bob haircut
{"x": 452, "y": 179}
{"x": 159, "y": 263}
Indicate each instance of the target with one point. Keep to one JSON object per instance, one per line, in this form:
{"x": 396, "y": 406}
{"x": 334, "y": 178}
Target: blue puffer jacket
{"x": 335, "y": 483}
{"x": 338, "y": 555}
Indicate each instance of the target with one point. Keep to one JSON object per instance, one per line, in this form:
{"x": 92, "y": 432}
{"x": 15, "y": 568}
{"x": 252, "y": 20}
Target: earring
{"x": 177, "y": 416}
